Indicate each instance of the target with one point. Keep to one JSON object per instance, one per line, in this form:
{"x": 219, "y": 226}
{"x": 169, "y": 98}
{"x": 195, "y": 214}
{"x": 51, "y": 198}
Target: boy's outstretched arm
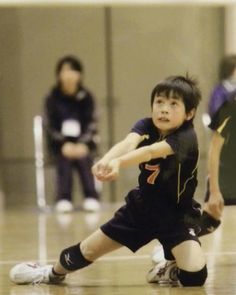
{"x": 144, "y": 154}
{"x": 129, "y": 143}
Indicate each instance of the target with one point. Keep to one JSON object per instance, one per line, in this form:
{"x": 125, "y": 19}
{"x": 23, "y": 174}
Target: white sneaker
{"x": 64, "y": 206}
{"x": 30, "y": 273}
{"x": 165, "y": 272}
{"x": 91, "y": 204}
{"x": 157, "y": 254}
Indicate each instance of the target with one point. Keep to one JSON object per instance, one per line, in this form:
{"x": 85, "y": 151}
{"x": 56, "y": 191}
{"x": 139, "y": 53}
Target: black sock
{"x": 57, "y": 274}
{"x": 56, "y": 277}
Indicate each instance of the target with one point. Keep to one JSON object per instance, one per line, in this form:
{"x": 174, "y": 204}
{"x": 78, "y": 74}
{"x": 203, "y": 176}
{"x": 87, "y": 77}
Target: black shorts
{"x": 125, "y": 229}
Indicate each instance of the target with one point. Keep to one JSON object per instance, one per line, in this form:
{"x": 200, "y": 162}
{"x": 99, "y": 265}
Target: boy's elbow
{"x": 130, "y": 145}
{"x": 159, "y": 153}
{"x": 150, "y": 154}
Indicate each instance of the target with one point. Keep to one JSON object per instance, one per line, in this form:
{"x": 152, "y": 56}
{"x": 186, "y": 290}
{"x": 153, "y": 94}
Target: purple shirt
{"x": 217, "y": 99}
{"x": 220, "y": 94}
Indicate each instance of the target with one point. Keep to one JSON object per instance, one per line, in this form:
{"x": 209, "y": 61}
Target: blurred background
{"x": 126, "y": 49}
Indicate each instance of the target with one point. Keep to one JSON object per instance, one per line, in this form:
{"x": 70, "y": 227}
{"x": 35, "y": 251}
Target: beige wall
{"x": 148, "y": 43}
{"x": 31, "y": 42}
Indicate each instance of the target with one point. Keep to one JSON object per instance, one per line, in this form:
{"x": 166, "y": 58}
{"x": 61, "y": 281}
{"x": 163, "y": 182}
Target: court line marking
{"x": 117, "y": 258}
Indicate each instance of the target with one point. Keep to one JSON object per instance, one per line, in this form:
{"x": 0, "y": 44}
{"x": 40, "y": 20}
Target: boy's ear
{"x": 190, "y": 114}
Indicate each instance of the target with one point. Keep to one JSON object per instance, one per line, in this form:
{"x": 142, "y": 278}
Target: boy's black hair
{"x": 227, "y": 66}
{"x": 179, "y": 86}
{"x": 73, "y": 61}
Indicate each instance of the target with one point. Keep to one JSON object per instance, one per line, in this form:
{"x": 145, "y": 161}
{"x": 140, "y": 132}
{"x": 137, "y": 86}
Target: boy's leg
{"x": 84, "y": 253}
{"x": 207, "y": 224}
{"x": 191, "y": 263}
{"x": 188, "y": 266}
{"x": 71, "y": 259}
{"x": 163, "y": 270}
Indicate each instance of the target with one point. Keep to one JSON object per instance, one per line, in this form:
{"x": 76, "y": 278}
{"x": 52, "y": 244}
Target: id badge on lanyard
{"x": 71, "y": 128}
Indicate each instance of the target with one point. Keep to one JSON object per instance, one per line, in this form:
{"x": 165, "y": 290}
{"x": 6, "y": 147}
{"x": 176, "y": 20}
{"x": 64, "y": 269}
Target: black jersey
{"x": 168, "y": 184}
{"x": 224, "y": 122}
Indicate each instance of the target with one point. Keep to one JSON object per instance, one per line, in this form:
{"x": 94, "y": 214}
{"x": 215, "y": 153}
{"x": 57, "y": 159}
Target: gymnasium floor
{"x": 33, "y": 236}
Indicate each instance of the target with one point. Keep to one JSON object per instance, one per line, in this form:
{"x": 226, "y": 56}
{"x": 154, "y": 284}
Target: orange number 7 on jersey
{"x": 156, "y": 170}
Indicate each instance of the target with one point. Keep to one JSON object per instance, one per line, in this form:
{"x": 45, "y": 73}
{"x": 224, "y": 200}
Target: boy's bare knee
{"x": 196, "y": 265}
{"x": 192, "y": 265}
{"x": 189, "y": 256}
{"x": 88, "y": 251}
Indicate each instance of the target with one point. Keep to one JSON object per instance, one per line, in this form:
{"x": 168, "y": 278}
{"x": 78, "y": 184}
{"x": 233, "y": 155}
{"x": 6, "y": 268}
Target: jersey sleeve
{"x": 141, "y": 127}
{"x": 221, "y": 120}
{"x": 183, "y": 143}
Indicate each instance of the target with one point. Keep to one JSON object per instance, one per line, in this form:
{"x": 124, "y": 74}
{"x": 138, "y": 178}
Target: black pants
{"x": 64, "y": 177}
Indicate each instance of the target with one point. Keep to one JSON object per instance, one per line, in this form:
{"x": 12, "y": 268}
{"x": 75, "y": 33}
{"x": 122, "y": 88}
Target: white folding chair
{"x": 39, "y": 162}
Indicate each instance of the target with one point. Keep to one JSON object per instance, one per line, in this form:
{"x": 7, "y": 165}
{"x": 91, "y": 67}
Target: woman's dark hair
{"x": 73, "y": 61}
{"x": 227, "y": 66}
{"x": 179, "y": 87}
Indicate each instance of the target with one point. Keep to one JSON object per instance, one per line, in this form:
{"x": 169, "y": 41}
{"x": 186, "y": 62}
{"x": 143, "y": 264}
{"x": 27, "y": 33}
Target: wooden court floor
{"x": 33, "y": 236}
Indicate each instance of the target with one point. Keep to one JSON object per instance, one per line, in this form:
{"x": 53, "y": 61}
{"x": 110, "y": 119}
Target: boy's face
{"x": 168, "y": 113}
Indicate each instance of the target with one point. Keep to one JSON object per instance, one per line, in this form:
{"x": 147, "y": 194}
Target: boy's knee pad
{"x": 72, "y": 259}
{"x": 192, "y": 278}
{"x": 208, "y": 224}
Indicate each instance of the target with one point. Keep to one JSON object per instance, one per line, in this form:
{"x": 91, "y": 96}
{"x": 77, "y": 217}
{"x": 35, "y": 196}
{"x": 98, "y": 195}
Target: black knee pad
{"x": 72, "y": 259}
{"x": 208, "y": 224}
{"x": 192, "y": 278}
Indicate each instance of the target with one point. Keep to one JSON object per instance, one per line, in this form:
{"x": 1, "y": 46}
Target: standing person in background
{"x": 222, "y": 91}
{"x": 222, "y": 185}
{"x": 72, "y": 134}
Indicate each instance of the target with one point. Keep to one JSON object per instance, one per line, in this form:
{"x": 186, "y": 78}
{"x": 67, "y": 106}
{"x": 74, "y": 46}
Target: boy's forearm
{"x": 135, "y": 157}
{"x": 214, "y": 175}
{"x": 117, "y": 150}
{"x": 144, "y": 154}
{"x": 214, "y": 162}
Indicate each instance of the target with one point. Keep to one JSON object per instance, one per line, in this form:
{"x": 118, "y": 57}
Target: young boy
{"x": 166, "y": 150}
